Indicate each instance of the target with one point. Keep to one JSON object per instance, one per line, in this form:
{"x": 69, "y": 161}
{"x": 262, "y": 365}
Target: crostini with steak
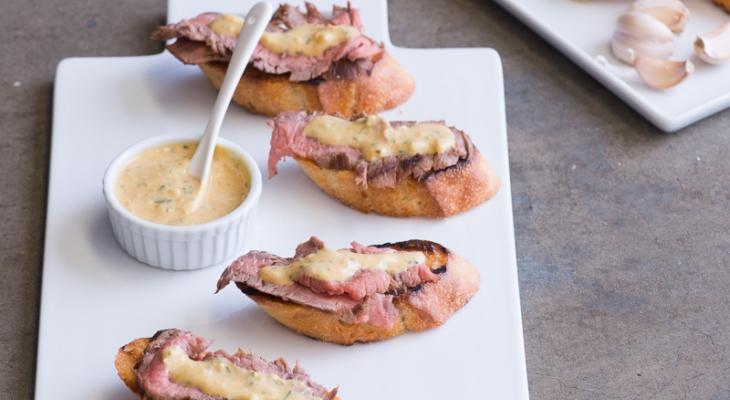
{"x": 357, "y": 294}
{"x": 399, "y": 168}
{"x": 176, "y": 365}
{"x": 304, "y": 61}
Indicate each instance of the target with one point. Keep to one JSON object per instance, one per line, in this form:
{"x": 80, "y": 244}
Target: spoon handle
{"x": 256, "y": 21}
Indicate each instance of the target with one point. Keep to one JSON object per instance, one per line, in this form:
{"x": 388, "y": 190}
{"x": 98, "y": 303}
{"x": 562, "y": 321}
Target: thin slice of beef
{"x": 191, "y": 52}
{"x": 352, "y": 58}
{"x": 362, "y": 284}
{"x": 197, "y": 30}
{"x": 245, "y": 270}
{"x": 310, "y": 246}
{"x": 245, "y": 273}
{"x": 288, "y": 16}
{"x": 288, "y": 140}
{"x": 154, "y": 382}
{"x": 365, "y": 297}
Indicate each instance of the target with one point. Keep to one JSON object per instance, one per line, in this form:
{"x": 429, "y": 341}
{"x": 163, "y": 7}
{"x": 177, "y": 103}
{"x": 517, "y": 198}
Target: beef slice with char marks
{"x": 288, "y": 140}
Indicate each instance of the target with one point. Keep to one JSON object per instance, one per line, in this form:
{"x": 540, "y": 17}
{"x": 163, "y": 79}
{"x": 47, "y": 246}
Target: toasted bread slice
{"x": 387, "y": 86}
{"x": 445, "y": 296}
{"x": 126, "y": 362}
{"x": 442, "y": 194}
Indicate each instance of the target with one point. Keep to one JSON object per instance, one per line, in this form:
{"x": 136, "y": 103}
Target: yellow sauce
{"x": 219, "y": 377}
{"x": 308, "y": 39}
{"x": 340, "y": 265}
{"x": 375, "y": 138}
{"x": 227, "y": 25}
{"x": 156, "y": 186}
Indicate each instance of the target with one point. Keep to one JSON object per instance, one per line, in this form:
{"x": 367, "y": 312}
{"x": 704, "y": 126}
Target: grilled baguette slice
{"x": 387, "y": 86}
{"x": 457, "y": 286}
{"x": 126, "y": 362}
{"x": 442, "y": 194}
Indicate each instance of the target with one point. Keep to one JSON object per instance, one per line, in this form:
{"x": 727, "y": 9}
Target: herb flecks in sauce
{"x": 339, "y": 265}
{"x": 376, "y": 138}
{"x": 221, "y": 378}
{"x": 156, "y": 186}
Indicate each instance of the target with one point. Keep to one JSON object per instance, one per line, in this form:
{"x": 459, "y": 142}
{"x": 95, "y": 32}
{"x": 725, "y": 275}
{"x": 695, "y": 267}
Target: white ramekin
{"x": 182, "y": 247}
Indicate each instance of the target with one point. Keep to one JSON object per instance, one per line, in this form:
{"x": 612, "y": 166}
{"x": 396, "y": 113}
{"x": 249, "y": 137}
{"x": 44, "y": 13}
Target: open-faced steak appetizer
{"x": 176, "y": 365}
{"x": 401, "y": 168}
{"x": 304, "y": 61}
{"x": 359, "y": 294}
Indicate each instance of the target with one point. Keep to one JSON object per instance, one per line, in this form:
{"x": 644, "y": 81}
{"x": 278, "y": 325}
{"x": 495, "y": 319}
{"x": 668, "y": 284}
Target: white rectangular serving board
{"x": 582, "y": 30}
{"x": 95, "y": 298}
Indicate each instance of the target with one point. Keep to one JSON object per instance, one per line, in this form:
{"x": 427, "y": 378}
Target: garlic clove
{"x": 663, "y": 74}
{"x": 641, "y": 35}
{"x": 714, "y": 47}
{"x": 672, "y": 13}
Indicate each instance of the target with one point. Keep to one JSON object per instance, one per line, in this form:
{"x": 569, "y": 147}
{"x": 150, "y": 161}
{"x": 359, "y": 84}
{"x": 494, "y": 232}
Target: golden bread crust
{"x": 126, "y": 362}
{"x": 387, "y": 86}
{"x": 442, "y": 194}
{"x": 444, "y": 297}
{"x": 724, "y": 4}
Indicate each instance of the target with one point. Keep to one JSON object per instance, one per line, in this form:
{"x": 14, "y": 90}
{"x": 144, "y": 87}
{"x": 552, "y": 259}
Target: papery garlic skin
{"x": 641, "y": 35}
{"x": 663, "y": 74}
{"x": 672, "y": 13}
{"x": 714, "y": 47}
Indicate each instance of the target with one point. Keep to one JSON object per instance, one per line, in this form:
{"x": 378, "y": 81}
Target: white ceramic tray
{"x": 582, "y": 30}
{"x": 96, "y": 298}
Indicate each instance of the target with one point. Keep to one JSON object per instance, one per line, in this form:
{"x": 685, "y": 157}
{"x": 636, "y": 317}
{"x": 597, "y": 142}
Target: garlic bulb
{"x": 641, "y": 35}
{"x": 663, "y": 74}
{"x": 714, "y": 47}
{"x": 672, "y": 13}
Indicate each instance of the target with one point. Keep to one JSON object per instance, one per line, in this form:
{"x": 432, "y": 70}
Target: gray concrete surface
{"x": 622, "y": 231}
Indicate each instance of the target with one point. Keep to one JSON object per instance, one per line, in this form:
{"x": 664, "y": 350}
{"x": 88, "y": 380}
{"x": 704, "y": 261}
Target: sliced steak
{"x": 245, "y": 273}
{"x": 154, "y": 381}
{"x": 365, "y": 297}
{"x": 304, "y": 68}
{"x": 362, "y": 284}
{"x": 288, "y": 140}
{"x": 310, "y": 246}
{"x": 197, "y": 30}
{"x": 197, "y": 43}
{"x": 191, "y": 52}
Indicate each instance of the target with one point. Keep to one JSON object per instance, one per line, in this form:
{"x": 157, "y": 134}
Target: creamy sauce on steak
{"x": 340, "y": 265}
{"x": 308, "y": 39}
{"x": 227, "y": 25}
{"x": 157, "y": 187}
{"x": 219, "y": 377}
{"x": 376, "y": 138}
